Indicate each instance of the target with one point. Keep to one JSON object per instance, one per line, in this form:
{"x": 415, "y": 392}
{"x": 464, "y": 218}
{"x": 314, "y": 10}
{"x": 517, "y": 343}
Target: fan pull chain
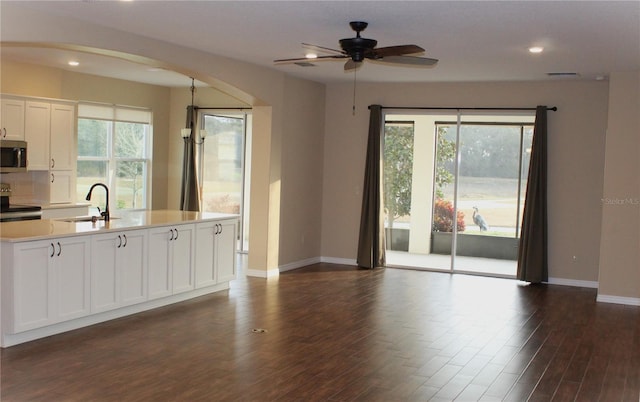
{"x": 353, "y": 109}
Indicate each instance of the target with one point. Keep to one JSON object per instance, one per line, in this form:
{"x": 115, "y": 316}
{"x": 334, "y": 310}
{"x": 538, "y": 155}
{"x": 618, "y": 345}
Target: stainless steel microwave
{"x": 13, "y": 156}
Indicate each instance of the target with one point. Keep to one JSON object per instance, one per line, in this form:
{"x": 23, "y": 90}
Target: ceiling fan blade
{"x": 321, "y": 49}
{"x": 299, "y": 59}
{"x": 399, "y": 50}
{"x": 409, "y": 61}
{"x": 352, "y": 65}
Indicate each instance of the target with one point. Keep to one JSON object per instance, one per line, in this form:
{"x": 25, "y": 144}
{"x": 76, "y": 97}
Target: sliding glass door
{"x": 456, "y": 204}
{"x": 223, "y": 161}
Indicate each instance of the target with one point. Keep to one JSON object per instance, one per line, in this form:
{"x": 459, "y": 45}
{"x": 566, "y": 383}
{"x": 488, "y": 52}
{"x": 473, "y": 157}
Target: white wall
{"x": 620, "y": 238}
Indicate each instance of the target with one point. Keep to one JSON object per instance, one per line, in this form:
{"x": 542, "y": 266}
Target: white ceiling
{"x": 474, "y": 40}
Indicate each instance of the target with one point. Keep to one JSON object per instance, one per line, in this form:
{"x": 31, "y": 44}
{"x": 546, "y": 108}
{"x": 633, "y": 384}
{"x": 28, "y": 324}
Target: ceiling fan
{"x": 358, "y": 49}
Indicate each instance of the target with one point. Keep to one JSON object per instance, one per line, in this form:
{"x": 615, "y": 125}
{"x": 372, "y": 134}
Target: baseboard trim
{"x": 573, "y": 282}
{"x": 299, "y": 264}
{"x": 342, "y": 261}
{"x": 630, "y": 301}
{"x": 258, "y": 273}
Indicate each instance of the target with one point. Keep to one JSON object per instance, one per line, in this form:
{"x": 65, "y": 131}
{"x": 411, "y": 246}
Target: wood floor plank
{"x": 338, "y": 333}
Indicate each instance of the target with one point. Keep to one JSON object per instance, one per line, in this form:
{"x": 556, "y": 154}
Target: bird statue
{"x": 479, "y": 220}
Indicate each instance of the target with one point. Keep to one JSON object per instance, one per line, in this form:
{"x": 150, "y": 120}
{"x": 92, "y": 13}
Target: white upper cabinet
{"x": 12, "y": 119}
{"x": 37, "y": 127}
{"x": 63, "y": 145}
{"x": 50, "y": 134}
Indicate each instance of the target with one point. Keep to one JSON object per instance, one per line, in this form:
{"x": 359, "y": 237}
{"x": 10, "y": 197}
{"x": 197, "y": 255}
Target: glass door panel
{"x": 412, "y": 164}
{"x": 444, "y": 225}
{"x": 221, "y": 168}
{"x": 488, "y": 197}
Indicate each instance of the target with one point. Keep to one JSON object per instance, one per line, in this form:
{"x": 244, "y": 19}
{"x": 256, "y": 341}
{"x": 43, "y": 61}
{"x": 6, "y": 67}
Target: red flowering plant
{"x": 443, "y": 217}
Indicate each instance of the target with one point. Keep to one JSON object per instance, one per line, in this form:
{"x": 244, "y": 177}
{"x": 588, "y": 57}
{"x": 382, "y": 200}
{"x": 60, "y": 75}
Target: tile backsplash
{"x": 22, "y": 186}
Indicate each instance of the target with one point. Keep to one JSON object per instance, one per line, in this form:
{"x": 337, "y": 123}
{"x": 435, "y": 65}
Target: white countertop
{"x": 120, "y": 220}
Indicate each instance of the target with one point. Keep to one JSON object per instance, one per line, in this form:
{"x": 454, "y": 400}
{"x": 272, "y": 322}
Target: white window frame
{"x": 120, "y": 114}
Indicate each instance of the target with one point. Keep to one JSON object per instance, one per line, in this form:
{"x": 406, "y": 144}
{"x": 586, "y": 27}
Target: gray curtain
{"x": 371, "y": 244}
{"x": 532, "y": 253}
{"x": 189, "y": 200}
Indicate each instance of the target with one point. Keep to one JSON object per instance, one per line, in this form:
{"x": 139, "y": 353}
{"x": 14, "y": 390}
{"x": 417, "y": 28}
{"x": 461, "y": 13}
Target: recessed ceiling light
{"x": 536, "y": 49}
{"x": 311, "y": 55}
{"x": 74, "y": 63}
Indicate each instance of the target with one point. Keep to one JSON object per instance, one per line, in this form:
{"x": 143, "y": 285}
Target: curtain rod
{"x": 221, "y": 108}
{"x": 554, "y": 109}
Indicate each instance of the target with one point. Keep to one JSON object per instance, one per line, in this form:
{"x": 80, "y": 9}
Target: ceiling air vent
{"x": 563, "y": 74}
{"x": 304, "y": 64}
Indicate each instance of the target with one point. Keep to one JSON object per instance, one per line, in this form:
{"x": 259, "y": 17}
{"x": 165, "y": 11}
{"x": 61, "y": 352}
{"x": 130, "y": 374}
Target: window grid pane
{"x": 115, "y": 153}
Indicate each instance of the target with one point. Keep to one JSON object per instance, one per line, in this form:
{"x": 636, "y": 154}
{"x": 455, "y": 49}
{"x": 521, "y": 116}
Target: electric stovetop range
{"x": 13, "y": 212}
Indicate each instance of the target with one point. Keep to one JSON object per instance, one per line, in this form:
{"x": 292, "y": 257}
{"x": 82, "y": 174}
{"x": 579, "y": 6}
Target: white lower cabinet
{"x": 50, "y": 282}
{"x": 215, "y": 252}
{"x": 61, "y": 187}
{"x": 171, "y": 255}
{"x": 118, "y": 269}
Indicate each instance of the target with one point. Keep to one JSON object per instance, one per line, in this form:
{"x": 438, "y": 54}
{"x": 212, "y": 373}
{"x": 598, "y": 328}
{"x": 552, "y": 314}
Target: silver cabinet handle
{"x": 119, "y": 241}
{"x": 53, "y": 178}
{"x": 177, "y": 233}
{"x": 125, "y": 240}
{"x": 53, "y": 250}
{"x": 53, "y": 163}
{"x": 171, "y": 231}
{"x": 59, "y": 249}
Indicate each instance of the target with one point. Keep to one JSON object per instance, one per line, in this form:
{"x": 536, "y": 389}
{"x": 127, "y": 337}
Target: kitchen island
{"x": 63, "y": 274}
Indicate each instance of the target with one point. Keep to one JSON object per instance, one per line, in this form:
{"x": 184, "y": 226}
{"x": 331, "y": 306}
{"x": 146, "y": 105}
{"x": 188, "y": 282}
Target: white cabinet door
{"x": 132, "y": 263}
{"x": 62, "y": 140}
{"x": 225, "y": 251}
{"x": 37, "y": 127}
{"x": 171, "y": 255}
{"x": 205, "y": 255}
{"x": 61, "y": 186}
{"x": 12, "y": 119}
{"x": 118, "y": 270}
{"x": 51, "y": 282}
{"x": 215, "y": 260}
{"x": 33, "y": 268}
{"x": 72, "y": 286}
{"x": 160, "y": 275}
{"x": 182, "y": 256}
{"x": 104, "y": 288}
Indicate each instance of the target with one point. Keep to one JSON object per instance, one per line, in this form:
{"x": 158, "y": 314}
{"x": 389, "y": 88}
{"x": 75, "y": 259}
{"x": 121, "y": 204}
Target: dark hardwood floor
{"x": 336, "y": 333}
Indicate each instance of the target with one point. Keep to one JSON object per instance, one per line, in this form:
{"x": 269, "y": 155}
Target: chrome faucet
{"x": 105, "y": 213}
